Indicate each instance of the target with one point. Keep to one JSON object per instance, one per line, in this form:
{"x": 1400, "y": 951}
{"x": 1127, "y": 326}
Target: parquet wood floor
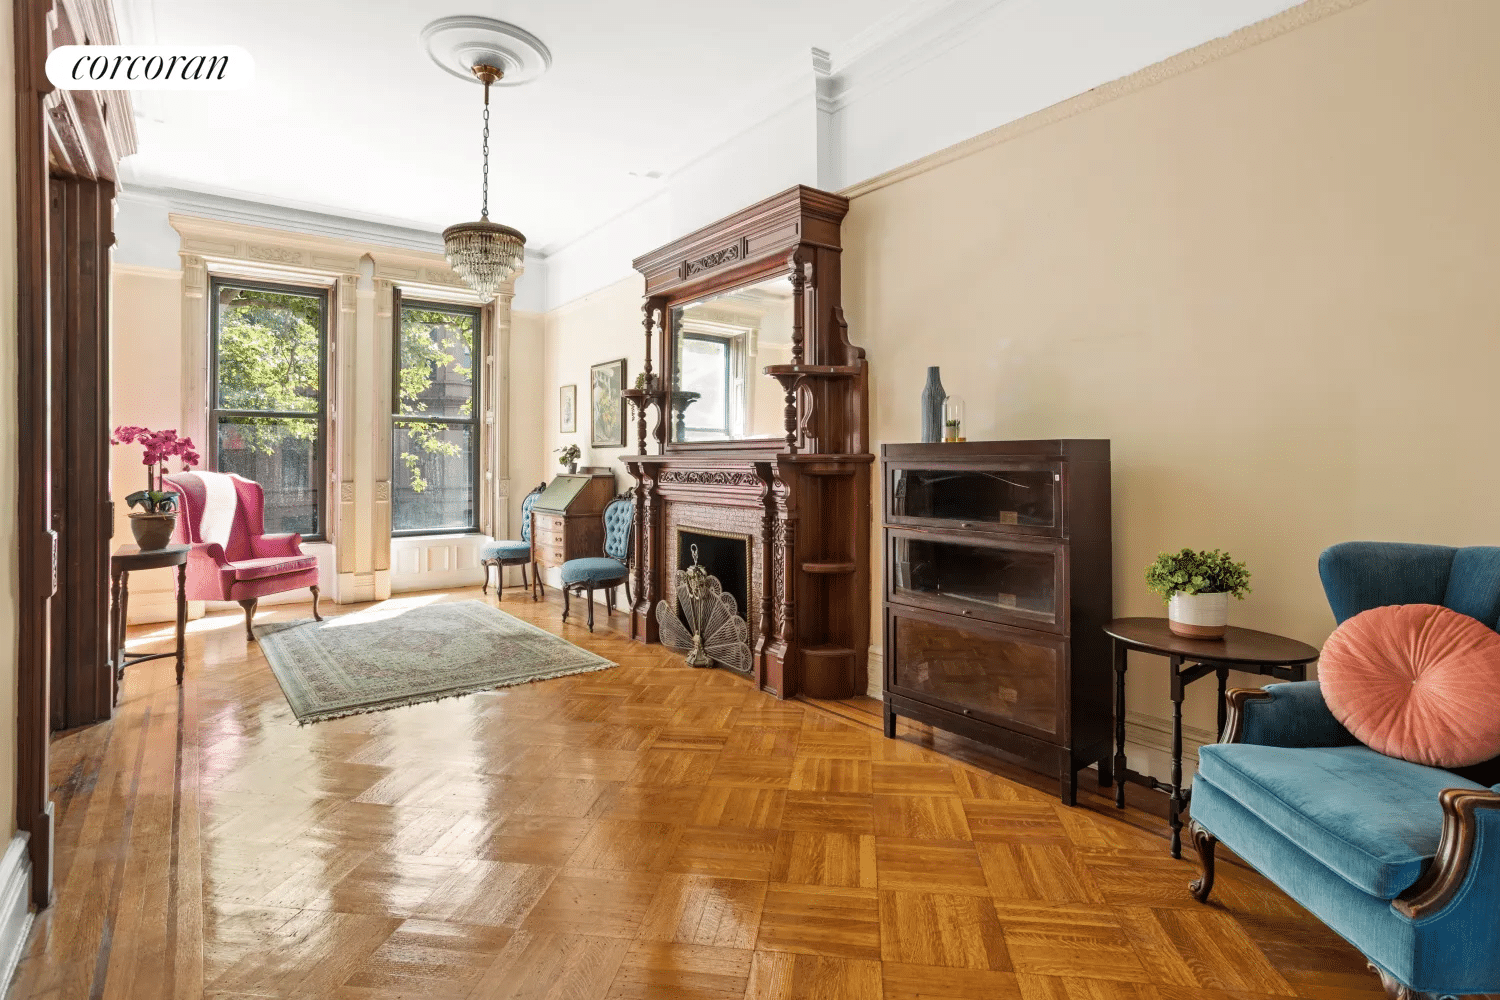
{"x": 646, "y": 832}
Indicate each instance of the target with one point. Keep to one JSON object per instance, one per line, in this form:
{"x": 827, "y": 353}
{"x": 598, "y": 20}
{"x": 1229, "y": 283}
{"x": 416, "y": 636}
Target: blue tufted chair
{"x": 500, "y": 554}
{"x": 1401, "y": 860}
{"x": 587, "y": 575}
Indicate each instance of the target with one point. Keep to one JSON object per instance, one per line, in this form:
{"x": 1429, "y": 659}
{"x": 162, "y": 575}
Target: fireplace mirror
{"x": 721, "y": 344}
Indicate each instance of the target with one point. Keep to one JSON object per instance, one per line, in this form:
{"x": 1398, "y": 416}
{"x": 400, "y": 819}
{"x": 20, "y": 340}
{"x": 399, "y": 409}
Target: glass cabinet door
{"x": 1023, "y": 498}
{"x": 1007, "y": 581}
{"x": 979, "y": 669}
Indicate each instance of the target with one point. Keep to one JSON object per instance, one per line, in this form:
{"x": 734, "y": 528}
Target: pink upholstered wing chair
{"x": 222, "y": 516}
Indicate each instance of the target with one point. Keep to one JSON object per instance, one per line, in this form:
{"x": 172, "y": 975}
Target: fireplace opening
{"x": 724, "y": 555}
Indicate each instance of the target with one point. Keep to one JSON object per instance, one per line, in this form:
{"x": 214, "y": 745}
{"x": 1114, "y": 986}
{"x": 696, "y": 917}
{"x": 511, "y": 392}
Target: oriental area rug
{"x": 394, "y": 654}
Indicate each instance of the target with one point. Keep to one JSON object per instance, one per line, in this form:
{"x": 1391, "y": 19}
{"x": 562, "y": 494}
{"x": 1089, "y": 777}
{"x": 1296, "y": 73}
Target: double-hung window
{"x": 268, "y": 359}
{"x": 436, "y": 422}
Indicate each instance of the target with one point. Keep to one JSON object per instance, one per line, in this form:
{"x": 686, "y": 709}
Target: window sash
{"x": 319, "y": 417}
{"x": 729, "y": 347}
{"x": 476, "y": 383}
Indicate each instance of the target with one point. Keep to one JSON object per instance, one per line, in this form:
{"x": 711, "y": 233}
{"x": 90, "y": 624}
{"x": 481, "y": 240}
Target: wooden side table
{"x": 126, "y": 559}
{"x": 1192, "y": 659}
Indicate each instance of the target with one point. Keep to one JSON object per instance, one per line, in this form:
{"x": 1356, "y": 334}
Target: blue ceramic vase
{"x": 933, "y": 397}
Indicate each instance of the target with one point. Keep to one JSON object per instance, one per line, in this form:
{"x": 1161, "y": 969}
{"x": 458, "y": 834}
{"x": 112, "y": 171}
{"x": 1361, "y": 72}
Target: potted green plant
{"x": 1197, "y": 587}
{"x": 152, "y": 525}
{"x": 569, "y": 456}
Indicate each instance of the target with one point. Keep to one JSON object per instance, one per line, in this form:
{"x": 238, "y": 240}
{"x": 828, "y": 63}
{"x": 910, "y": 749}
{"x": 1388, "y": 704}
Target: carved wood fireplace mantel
{"x": 776, "y": 450}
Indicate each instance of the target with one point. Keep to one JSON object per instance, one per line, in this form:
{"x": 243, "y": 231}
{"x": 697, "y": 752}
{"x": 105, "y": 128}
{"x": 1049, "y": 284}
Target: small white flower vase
{"x": 1198, "y": 616}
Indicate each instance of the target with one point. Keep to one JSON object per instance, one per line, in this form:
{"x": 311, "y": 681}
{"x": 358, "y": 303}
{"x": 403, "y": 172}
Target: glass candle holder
{"x": 953, "y": 418}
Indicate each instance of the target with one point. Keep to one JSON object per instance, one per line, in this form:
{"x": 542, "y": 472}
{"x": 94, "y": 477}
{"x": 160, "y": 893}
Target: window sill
{"x": 435, "y": 536}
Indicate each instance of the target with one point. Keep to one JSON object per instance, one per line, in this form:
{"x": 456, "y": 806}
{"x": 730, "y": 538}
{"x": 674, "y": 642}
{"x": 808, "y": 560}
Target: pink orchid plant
{"x": 159, "y": 446}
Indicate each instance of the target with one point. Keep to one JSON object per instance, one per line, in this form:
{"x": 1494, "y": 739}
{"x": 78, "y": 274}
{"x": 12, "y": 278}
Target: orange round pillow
{"x": 1416, "y": 681}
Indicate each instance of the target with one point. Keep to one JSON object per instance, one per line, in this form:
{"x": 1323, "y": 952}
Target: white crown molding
{"x": 288, "y": 220}
{"x": 261, "y": 252}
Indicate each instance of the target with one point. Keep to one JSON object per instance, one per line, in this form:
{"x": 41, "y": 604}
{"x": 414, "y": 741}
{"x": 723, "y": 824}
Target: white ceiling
{"x": 349, "y": 116}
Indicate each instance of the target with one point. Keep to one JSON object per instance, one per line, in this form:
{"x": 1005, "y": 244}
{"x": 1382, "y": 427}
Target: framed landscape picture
{"x": 567, "y": 409}
{"x": 606, "y": 422}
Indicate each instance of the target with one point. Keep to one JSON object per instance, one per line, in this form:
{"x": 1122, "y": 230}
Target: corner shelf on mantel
{"x": 780, "y": 372}
{"x": 829, "y": 568}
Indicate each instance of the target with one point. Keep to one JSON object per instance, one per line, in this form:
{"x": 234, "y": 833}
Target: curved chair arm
{"x": 208, "y": 556}
{"x": 1293, "y": 714}
{"x": 1469, "y": 847}
{"x": 289, "y": 544}
{"x": 209, "y": 574}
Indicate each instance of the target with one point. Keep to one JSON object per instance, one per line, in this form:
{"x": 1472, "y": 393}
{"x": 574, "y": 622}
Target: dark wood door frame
{"x": 83, "y": 517}
{"x": 80, "y": 135}
{"x": 37, "y": 540}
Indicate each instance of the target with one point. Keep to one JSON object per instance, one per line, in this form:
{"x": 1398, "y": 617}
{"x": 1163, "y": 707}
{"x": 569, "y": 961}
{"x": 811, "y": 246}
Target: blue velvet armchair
{"x": 613, "y": 568}
{"x": 1401, "y": 860}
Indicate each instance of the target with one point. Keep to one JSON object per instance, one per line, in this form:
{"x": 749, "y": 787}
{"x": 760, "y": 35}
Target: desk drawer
{"x": 548, "y": 536}
{"x": 549, "y": 555}
{"x": 546, "y": 522}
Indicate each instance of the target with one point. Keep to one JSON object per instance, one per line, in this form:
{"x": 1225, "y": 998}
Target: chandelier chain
{"x": 485, "y": 254}
{"x": 484, "y": 211}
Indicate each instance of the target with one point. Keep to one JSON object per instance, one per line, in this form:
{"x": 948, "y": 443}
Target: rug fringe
{"x": 426, "y": 699}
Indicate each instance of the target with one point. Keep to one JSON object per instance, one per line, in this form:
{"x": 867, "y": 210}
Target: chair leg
{"x": 609, "y": 601}
{"x": 591, "y": 607}
{"x": 538, "y": 591}
{"x": 1205, "y": 843}
{"x": 249, "y": 607}
{"x": 316, "y": 597}
{"x": 566, "y": 606}
{"x": 629, "y": 601}
{"x": 484, "y": 588}
{"x": 1395, "y": 989}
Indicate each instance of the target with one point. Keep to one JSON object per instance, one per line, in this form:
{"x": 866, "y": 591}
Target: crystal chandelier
{"x": 484, "y": 253}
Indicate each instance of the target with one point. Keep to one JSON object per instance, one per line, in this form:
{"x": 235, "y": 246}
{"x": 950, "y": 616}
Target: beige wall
{"x": 146, "y": 391}
{"x": 9, "y": 563}
{"x": 1268, "y": 280}
{"x": 528, "y": 408}
{"x": 599, "y": 327}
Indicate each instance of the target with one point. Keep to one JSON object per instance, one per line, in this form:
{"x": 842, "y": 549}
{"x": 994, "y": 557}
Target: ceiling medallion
{"x": 485, "y": 254}
{"x": 464, "y": 41}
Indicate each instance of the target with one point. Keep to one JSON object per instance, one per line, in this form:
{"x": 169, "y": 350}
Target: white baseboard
{"x": 15, "y": 907}
{"x": 875, "y": 678}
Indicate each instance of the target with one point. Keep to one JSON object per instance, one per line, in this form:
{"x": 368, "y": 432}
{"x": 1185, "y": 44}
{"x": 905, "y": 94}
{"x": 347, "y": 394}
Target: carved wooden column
{"x": 781, "y": 664}
{"x": 768, "y": 632}
{"x": 647, "y": 584}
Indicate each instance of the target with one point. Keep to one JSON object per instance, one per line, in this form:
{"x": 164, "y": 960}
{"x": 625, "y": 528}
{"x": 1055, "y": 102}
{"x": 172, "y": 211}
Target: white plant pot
{"x": 1198, "y": 616}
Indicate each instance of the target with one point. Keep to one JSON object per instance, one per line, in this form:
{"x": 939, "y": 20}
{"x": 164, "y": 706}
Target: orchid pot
{"x": 153, "y": 524}
{"x": 152, "y": 531}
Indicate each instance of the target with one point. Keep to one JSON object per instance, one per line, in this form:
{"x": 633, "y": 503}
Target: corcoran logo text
{"x": 150, "y": 67}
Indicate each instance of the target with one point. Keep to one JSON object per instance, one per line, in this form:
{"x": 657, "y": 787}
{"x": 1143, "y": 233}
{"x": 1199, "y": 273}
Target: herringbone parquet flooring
{"x": 647, "y": 832}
